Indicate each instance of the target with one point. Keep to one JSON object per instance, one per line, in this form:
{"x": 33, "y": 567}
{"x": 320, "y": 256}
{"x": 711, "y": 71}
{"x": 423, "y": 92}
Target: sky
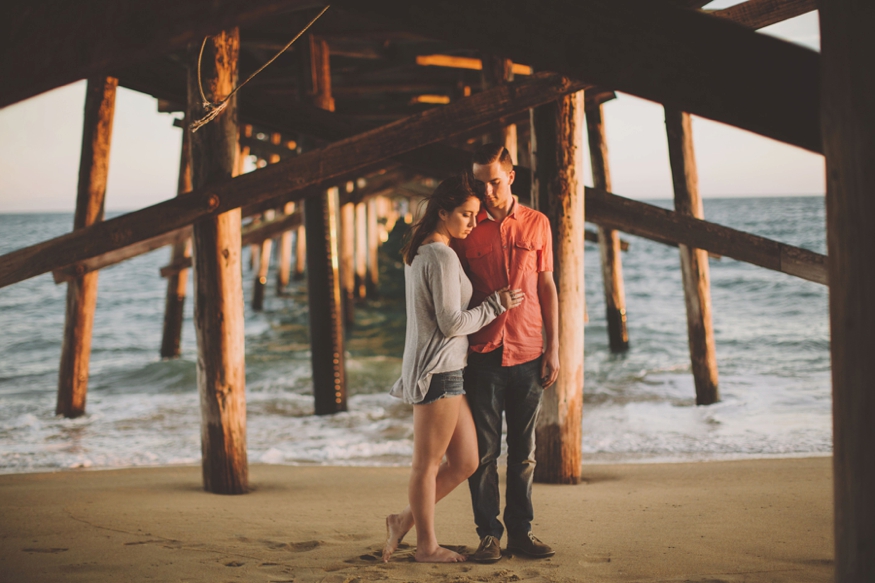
{"x": 40, "y": 140}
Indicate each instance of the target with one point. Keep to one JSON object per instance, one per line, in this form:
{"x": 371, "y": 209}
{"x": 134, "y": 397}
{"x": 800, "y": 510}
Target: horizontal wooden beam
{"x": 252, "y": 234}
{"x": 118, "y": 255}
{"x": 454, "y": 62}
{"x": 51, "y": 43}
{"x": 676, "y": 56}
{"x": 299, "y": 174}
{"x": 258, "y": 232}
{"x": 652, "y": 222}
{"x": 758, "y": 14}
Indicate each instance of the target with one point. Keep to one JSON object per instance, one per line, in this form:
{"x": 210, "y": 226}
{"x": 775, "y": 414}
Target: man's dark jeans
{"x": 516, "y": 390}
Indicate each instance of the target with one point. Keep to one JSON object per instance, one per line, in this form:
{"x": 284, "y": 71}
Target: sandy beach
{"x": 754, "y": 520}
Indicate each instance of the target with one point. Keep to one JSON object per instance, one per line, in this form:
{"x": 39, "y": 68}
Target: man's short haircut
{"x": 489, "y": 153}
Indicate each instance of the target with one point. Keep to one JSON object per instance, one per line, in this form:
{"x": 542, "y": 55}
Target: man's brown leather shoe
{"x": 530, "y": 546}
{"x": 489, "y": 550}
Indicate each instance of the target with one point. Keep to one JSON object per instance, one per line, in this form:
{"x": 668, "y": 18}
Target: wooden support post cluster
{"x": 323, "y": 279}
{"x": 848, "y": 129}
{"x": 498, "y": 71}
{"x": 174, "y": 304}
{"x": 218, "y": 285}
{"x": 82, "y": 290}
{"x": 557, "y": 156}
{"x": 609, "y": 239}
{"x": 694, "y": 262}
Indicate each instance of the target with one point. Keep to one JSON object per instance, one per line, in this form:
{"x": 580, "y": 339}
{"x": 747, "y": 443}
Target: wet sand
{"x": 751, "y": 521}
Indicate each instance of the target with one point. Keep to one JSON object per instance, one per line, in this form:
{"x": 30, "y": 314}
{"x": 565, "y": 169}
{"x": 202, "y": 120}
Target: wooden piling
{"x": 82, "y": 291}
{"x": 373, "y": 240}
{"x": 323, "y": 281}
{"x": 848, "y": 127}
{"x": 174, "y": 304}
{"x": 284, "y": 256}
{"x": 498, "y": 71}
{"x": 260, "y": 281}
{"x": 361, "y": 249}
{"x": 218, "y": 285}
{"x": 347, "y": 263}
{"x": 694, "y": 262}
{"x": 557, "y": 157}
{"x": 609, "y": 239}
{"x": 300, "y": 246}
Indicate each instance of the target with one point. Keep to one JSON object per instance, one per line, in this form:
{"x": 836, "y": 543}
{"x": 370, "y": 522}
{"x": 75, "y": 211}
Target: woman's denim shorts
{"x": 444, "y": 384}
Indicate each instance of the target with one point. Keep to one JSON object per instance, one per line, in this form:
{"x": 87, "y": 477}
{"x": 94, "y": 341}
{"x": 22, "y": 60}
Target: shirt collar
{"x": 485, "y": 214}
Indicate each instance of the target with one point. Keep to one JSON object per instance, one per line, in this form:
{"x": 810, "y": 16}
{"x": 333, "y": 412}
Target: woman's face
{"x": 462, "y": 219}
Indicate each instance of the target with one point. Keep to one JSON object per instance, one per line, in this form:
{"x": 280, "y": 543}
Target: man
{"x": 510, "y": 364}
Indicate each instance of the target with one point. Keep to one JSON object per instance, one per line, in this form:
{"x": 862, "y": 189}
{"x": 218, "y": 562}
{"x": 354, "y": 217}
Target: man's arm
{"x": 549, "y": 301}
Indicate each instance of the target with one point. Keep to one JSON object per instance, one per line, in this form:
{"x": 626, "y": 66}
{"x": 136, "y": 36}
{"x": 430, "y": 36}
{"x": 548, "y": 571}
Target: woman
{"x": 435, "y": 352}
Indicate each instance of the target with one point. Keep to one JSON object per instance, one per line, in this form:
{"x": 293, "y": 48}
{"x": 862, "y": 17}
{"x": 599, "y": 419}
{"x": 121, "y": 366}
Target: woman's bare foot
{"x": 440, "y": 555}
{"x": 395, "y": 531}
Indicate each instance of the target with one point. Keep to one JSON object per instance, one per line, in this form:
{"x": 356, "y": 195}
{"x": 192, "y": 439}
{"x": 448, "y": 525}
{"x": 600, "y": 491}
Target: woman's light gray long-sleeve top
{"x": 438, "y": 321}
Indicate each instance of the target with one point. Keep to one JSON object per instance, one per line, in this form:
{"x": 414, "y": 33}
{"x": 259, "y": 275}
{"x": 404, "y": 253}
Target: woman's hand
{"x": 510, "y": 298}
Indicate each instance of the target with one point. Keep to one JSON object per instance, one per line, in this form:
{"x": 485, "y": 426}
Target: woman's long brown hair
{"x": 449, "y": 195}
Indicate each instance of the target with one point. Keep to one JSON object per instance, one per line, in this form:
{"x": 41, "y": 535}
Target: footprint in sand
{"x": 43, "y": 550}
{"x": 596, "y": 559}
{"x": 301, "y": 547}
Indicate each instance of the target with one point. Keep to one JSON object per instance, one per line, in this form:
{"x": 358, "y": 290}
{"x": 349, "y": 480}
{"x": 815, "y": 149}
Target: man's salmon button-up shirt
{"x": 508, "y": 254}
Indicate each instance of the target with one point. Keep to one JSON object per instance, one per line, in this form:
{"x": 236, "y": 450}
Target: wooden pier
{"x": 380, "y": 97}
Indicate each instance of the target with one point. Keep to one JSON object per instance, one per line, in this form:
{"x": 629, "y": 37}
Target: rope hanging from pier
{"x": 214, "y": 109}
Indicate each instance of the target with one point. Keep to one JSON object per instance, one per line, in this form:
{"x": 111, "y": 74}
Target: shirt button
{"x": 504, "y": 246}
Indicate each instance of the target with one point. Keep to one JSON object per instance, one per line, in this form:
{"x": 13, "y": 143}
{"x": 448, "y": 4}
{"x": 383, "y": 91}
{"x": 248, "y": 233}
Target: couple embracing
{"x": 464, "y": 366}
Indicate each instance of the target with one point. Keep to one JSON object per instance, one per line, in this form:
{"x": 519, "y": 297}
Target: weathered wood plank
{"x": 123, "y": 254}
{"x": 559, "y": 167}
{"x": 695, "y": 272}
{"x": 296, "y": 174}
{"x": 675, "y": 56}
{"x": 51, "y": 43}
{"x": 251, "y": 235}
{"x": 327, "y": 353}
{"x": 609, "y": 240}
{"x": 218, "y": 284}
{"x": 848, "y": 128}
{"x": 648, "y": 221}
{"x": 761, "y": 13}
{"x": 82, "y": 290}
{"x": 174, "y": 302}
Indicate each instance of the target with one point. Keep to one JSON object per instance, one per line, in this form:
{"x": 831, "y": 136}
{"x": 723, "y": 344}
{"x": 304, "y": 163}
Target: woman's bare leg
{"x": 462, "y": 460}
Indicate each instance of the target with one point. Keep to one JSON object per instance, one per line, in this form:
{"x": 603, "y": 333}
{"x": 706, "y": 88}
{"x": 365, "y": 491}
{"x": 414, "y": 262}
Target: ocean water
{"x": 771, "y": 334}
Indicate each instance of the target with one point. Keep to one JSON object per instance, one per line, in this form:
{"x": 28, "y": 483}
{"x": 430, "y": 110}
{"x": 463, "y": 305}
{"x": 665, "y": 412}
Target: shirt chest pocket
{"x": 485, "y": 262}
{"x": 525, "y": 256}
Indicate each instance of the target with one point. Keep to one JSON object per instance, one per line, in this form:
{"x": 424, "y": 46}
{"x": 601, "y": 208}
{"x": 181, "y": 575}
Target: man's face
{"x": 497, "y": 181}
